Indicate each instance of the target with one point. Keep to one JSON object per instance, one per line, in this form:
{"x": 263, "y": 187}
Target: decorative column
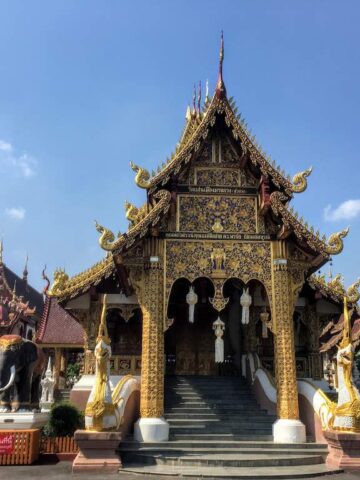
{"x": 151, "y": 427}
{"x": 91, "y": 327}
{"x": 57, "y": 366}
{"x": 288, "y": 428}
{"x": 63, "y": 361}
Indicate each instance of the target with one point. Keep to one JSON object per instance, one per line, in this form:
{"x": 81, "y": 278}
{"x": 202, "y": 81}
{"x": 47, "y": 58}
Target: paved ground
{"x": 62, "y": 471}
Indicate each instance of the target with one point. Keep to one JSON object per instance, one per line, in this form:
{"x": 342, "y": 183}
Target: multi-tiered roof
{"x": 276, "y": 190}
{"x": 19, "y": 302}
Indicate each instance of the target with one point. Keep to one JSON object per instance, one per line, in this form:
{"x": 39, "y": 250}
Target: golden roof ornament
{"x": 335, "y": 244}
{"x": 299, "y": 182}
{"x": 59, "y": 284}
{"x": 142, "y": 176}
{"x": 107, "y": 237}
{"x": 337, "y": 284}
{"x": 220, "y": 91}
{"x": 199, "y": 98}
{"x": 131, "y": 212}
{"x": 352, "y": 293}
{"x": 207, "y": 93}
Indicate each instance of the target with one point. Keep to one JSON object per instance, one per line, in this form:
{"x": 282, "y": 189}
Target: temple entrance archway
{"x": 189, "y": 342}
{"x": 190, "y": 339}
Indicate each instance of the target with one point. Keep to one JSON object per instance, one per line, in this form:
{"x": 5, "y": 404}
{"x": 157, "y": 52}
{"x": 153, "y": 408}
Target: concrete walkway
{"x": 62, "y": 471}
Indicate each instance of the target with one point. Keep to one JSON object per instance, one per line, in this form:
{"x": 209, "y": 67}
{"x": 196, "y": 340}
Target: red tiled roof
{"x": 58, "y": 326}
{"x": 336, "y": 334}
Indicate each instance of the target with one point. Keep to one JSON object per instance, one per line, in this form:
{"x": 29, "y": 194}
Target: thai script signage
{"x": 7, "y": 442}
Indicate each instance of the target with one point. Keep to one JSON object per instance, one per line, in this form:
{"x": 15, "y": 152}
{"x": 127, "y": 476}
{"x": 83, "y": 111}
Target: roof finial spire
{"x": 25, "y": 272}
{"x": 199, "y": 97}
{"x": 220, "y": 86}
{"x": 46, "y": 288}
{"x": 194, "y": 100}
{"x": 207, "y": 92}
{"x": 1, "y": 249}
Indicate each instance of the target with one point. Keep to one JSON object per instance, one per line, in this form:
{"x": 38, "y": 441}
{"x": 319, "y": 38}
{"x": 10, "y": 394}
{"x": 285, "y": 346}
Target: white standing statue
{"x": 47, "y": 389}
{"x": 100, "y": 410}
{"x": 245, "y": 302}
{"x": 347, "y": 411}
{"x": 191, "y": 300}
{"x": 219, "y": 327}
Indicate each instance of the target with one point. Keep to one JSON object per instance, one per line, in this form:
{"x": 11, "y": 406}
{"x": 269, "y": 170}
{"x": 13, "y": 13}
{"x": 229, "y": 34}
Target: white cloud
{"x": 345, "y": 211}
{"x": 23, "y": 163}
{"x": 17, "y": 213}
{"x": 5, "y": 146}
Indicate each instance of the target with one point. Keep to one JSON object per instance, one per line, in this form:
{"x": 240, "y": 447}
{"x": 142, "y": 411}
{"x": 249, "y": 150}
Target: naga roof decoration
{"x": 199, "y": 122}
{"x": 334, "y": 288}
{"x": 333, "y": 246}
{"x": 134, "y": 214}
{"x": 107, "y": 239}
{"x": 197, "y": 129}
{"x": 64, "y": 286}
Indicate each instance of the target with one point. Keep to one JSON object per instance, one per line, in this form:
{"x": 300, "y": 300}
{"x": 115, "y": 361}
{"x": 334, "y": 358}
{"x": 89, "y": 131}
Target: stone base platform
{"x": 344, "y": 450}
{"x": 23, "y": 420}
{"x": 97, "y": 452}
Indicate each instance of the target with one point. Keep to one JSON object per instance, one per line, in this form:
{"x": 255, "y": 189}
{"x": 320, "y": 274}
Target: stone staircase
{"x": 62, "y": 395}
{"x": 217, "y": 430}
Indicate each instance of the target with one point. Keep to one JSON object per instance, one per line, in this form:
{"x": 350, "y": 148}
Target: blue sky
{"x": 87, "y": 86}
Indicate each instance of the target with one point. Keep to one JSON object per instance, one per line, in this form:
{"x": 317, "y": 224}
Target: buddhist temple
{"x": 215, "y": 266}
{"x": 20, "y": 304}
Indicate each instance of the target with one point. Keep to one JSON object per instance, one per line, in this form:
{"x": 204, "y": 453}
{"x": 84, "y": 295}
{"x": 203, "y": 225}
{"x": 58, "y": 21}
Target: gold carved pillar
{"x": 283, "y": 308}
{"x": 149, "y": 286}
{"x": 57, "y": 366}
{"x": 91, "y": 326}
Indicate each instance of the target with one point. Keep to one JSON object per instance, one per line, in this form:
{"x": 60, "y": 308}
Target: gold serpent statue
{"x": 335, "y": 244}
{"x": 353, "y": 293}
{"x": 299, "y": 182}
{"x": 142, "y": 176}
{"x": 131, "y": 212}
{"x": 107, "y": 237}
{"x": 60, "y": 279}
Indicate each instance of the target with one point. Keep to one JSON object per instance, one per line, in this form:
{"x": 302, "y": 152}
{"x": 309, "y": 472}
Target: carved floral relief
{"x": 201, "y": 213}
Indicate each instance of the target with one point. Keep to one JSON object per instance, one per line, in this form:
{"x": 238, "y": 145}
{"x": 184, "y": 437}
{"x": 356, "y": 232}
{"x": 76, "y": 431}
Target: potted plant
{"x": 58, "y": 433}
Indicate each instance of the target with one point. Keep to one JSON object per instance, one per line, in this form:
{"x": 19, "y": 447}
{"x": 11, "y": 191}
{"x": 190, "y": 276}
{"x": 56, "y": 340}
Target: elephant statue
{"x": 21, "y": 366}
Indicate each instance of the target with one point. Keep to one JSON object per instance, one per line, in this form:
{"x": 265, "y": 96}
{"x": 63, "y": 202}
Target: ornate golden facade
{"x": 217, "y": 218}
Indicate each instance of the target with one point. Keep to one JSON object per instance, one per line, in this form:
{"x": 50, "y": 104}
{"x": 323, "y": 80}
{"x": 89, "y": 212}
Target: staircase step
{"x": 292, "y": 472}
{"x": 219, "y": 436}
{"x": 239, "y": 444}
{"x": 226, "y": 460}
{"x": 217, "y": 430}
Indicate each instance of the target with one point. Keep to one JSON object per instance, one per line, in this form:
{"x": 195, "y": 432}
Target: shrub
{"x": 72, "y": 373}
{"x": 64, "y": 419}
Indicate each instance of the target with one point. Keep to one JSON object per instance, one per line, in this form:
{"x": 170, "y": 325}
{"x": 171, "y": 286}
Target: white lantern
{"x": 191, "y": 300}
{"x": 219, "y": 327}
{"x": 245, "y": 302}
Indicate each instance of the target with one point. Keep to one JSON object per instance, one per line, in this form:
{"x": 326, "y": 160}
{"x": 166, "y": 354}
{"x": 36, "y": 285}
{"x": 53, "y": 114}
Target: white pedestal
{"x": 22, "y": 420}
{"x": 289, "y": 431}
{"x": 149, "y": 430}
